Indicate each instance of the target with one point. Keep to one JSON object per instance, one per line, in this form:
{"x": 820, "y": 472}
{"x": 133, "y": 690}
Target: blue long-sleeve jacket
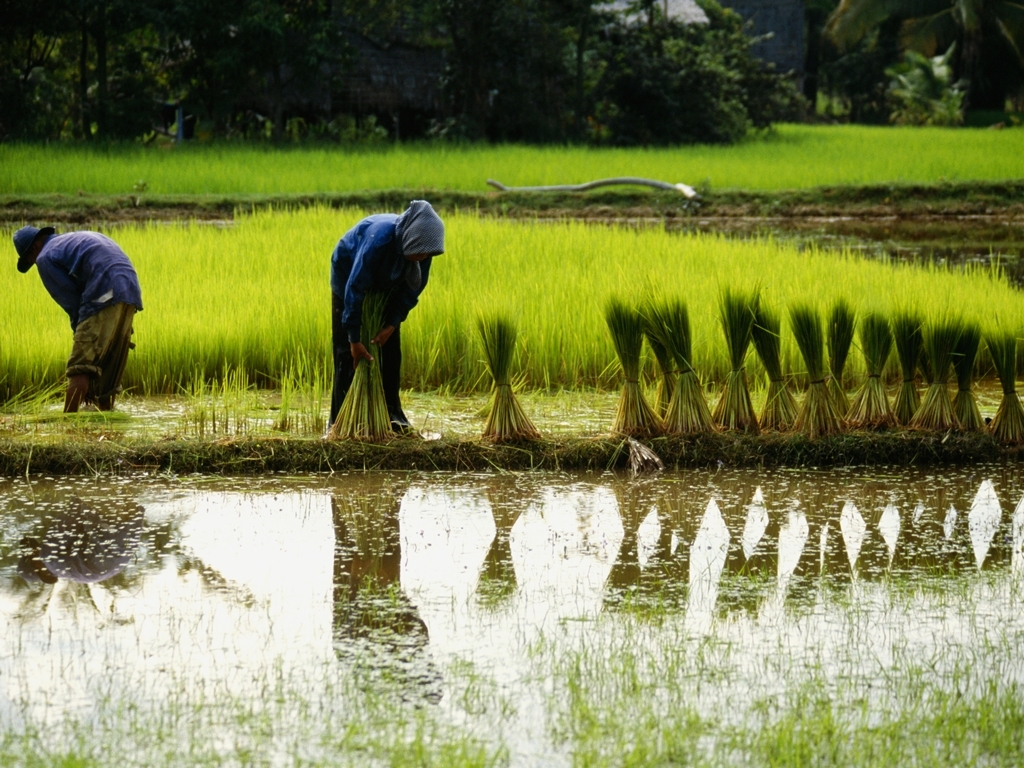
{"x": 85, "y": 272}
{"x": 369, "y": 258}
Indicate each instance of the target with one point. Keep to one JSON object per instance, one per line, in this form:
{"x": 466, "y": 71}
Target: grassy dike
{"x": 84, "y": 454}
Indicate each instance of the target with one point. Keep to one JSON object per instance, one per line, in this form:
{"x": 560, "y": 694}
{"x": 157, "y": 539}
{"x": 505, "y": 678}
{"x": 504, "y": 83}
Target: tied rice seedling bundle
{"x": 1008, "y": 424}
{"x": 780, "y": 407}
{"x": 818, "y": 415}
{"x": 667, "y": 379}
{"x": 842, "y": 321}
{"x": 687, "y": 411}
{"x": 734, "y": 409}
{"x": 364, "y": 413}
{"x": 936, "y": 411}
{"x": 633, "y": 416}
{"x": 506, "y": 421}
{"x": 871, "y": 407}
{"x": 906, "y": 334}
{"x": 965, "y": 404}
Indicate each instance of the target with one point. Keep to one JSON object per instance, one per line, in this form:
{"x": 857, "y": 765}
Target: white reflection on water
{"x": 983, "y": 520}
{"x": 854, "y": 529}
{"x": 1018, "y": 538}
{"x": 889, "y": 527}
{"x": 949, "y": 524}
{"x": 707, "y": 561}
{"x": 755, "y": 525}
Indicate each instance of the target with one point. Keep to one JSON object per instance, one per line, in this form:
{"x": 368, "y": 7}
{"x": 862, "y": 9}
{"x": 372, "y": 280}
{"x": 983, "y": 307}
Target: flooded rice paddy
{"x": 731, "y": 617}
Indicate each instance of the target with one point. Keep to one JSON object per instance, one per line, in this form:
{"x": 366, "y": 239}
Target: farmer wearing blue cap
{"x": 95, "y": 283}
{"x": 391, "y": 254}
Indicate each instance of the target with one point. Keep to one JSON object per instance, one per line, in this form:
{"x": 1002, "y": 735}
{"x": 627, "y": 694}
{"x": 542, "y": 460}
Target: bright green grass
{"x": 791, "y": 157}
{"x": 255, "y": 296}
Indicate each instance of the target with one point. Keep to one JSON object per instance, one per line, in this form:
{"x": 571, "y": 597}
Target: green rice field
{"x": 789, "y": 157}
{"x": 253, "y": 299}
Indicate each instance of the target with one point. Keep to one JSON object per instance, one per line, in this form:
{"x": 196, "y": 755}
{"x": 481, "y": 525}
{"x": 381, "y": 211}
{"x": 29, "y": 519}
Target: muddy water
{"x": 149, "y": 596}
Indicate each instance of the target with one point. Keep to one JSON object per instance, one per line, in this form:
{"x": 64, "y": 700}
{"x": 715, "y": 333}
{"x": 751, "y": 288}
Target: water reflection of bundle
{"x": 84, "y": 543}
{"x": 497, "y": 582}
{"x": 376, "y": 626}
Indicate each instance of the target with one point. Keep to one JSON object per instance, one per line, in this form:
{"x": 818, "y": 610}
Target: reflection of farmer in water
{"x": 82, "y": 544}
{"x": 375, "y": 624}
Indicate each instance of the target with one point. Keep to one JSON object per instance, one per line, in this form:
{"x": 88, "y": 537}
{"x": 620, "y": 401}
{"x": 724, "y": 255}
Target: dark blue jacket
{"x": 85, "y": 272}
{"x": 369, "y": 258}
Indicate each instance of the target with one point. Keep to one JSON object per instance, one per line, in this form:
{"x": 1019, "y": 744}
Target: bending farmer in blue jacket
{"x": 95, "y": 283}
{"x": 390, "y": 254}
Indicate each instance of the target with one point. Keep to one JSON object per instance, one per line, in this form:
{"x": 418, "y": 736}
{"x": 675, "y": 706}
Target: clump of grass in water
{"x": 842, "y": 321}
{"x": 936, "y": 411}
{"x": 818, "y": 415}
{"x": 633, "y": 416}
{"x": 687, "y": 411}
{"x": 364, "y": 414}
{"x": 870, "y": 408}
{"x": 780, "y": 408}
{"x": 1008, "y": 424}
{"x": 667, "y": 379}
{"x": 965, "y": 404}
{"x": 506, "y": 421}
{"x": 906, "y": 333}
{"x": 734, "y": 409}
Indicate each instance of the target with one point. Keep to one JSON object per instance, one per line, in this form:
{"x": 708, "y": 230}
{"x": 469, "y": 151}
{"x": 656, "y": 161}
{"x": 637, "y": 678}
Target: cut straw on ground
{"x": 818, "y": 415}
{"x": 780, "y": 408}
{"x": 940, "y": 341}
{"x": 633, "y": 416}
{"x": 364, "y": 413}
{"x": 1008, "y": 424}
{"x": 842, "y": 322}
{"x": 506, "y": 421}
{"x": 909, "y": 341}
{"x": 687, "y": 411}
{"x": 965, "y": 404}
{"x": 870, "y": 408}
{"x": 734, "y": 409}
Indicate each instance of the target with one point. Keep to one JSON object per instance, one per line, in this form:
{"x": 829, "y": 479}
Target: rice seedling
{"x": 736, "y": 314}
{"x": 364, "y": 413}
{"x": 1008, "y": 424}
{"x": 506, "y": 421}
{"x": 936, "y": 411}
{"x": 633, "y": 416}
{"x": 965, "y": 404}
{"x": 817, "y": 416}
{"x": 779, "y": 412}
{"x": 842, "y": 321}
{"x": 870, "y": 408}
{"x": 666, "y": 367}
{"x": 687, "y": 411}
{"x": 909, "y": 341}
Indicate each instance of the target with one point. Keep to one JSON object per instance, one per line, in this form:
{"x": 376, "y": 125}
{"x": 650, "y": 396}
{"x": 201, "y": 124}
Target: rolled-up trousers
{"x": 390, "y": 363}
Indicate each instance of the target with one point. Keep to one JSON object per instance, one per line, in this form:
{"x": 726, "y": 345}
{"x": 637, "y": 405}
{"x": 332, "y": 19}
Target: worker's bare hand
{"x": 359, "y": 353}
{"x": 385, "y": 333}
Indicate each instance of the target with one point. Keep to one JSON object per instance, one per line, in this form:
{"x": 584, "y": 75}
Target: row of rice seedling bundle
{"x": 870, "y": 408}
{"x": 965, "y": 404}
{"x": 909, "y": 341}
{"x": 506, "y": 422}
{"x": 364, "y": 413}
{"x": 842, "y": 322}
{"x": 936, "y": 411}
{"x": 687, "y": 411}
{"x": 734, "y": 409}
{"x": 780, "y": 409}
{"x": 633, "y": 415}
{"x": 667, "y": 369}
{"x": 818, "y": 415}
{"x": 1008, "y": 424}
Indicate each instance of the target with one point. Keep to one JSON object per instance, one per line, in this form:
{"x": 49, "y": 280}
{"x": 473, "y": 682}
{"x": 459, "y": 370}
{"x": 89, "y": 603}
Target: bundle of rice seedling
{"x": 842, "y": 321}
{"x": 667, "y": 379}
{"x": 779, "y": 412}
{"x": 506, "y": 421}
{"x": 364, "y": 413}
{"x": 965, "y": 404}
{"x": 818, "y": 415}
{"x": 687, "y": 411}
{"x": 871, "y": 407}
{"x": 906, "y": 334}
{"x": 633, "y": 416}
{"x": 1008, "y": 424}
{"x": 936, "y": 411}
{"x": 734, "y": 409}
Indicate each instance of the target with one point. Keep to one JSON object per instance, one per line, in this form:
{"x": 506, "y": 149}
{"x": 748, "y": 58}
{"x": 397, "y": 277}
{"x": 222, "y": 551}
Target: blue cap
{"x": 23, "y": 240}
